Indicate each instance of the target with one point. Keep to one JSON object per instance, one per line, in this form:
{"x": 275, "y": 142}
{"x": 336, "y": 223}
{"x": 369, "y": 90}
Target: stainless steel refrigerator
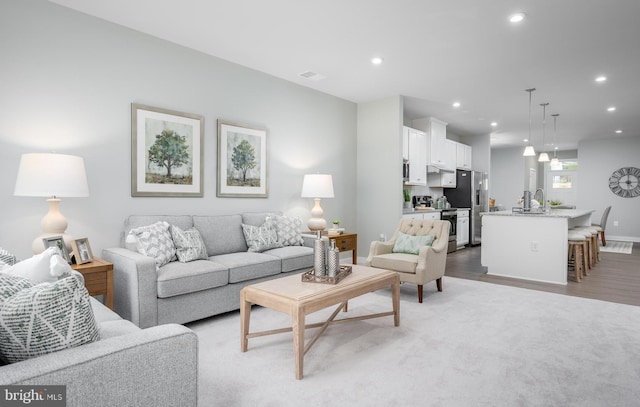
{"x": 470, "y": 192}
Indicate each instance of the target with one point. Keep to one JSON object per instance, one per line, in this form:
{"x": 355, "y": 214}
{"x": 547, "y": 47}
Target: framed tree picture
{"x": 166, "y": 152}
{"x": 242, "y": 161}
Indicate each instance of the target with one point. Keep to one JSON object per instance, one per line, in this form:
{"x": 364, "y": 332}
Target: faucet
{"x": 544, "y": 203}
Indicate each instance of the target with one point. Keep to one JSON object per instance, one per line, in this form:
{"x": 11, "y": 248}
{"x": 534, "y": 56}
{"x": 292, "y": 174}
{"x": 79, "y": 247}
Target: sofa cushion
{"x": 181, "y": 278}
{"x": 293, "y": 257}
{"x": 189, "y": 244}
{"x": 411, "y": 244}
{"x": 155, "y": 241}
{"x": 261, "y": 238}
{"x": 45, "y": 318}
{"x": 221, "y": 234}
{"x": 257, "y": 218}
{"x": 248, "y": 265}
{"x": 289, "y": 229}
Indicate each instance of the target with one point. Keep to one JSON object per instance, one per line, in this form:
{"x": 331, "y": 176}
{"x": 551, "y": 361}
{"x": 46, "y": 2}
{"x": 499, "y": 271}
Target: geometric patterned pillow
{"x": 411, "y": 244}
{"x": 155, "y": 241}
{"x": 45, "y": 318}
{"x": 289, "y": 230}
{"x": 7, "y": 257}
{"x": 261, "y": 238}
{"x": 189, "y": 244}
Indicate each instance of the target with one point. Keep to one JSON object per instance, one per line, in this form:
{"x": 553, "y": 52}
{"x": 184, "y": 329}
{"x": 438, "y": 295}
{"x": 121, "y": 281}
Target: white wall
{"x": 597, "y": 159}
{"x": 379, "y": 170}
{"x": 67, "y": 81}
{"x": 506, "y": 176}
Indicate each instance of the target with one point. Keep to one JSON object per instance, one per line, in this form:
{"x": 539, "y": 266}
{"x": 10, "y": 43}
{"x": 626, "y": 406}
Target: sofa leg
{"x": 420, "y": 293}
{"x": 439, "y": 284}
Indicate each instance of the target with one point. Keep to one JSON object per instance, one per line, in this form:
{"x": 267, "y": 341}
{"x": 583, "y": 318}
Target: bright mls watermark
{"x": 40, "y": 396}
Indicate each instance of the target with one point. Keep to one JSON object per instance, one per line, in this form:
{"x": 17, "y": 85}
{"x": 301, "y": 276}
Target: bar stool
{"x": 594, "y": 247}
{"x": 578, "y": 254}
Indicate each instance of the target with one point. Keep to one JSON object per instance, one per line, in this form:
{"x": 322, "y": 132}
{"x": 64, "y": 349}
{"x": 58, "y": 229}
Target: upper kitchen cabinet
{"x": 463, "y": 156}
{"x": 436, "y": 131}
{"x": 445, "y": 177}
{"x": 415, "y": 146}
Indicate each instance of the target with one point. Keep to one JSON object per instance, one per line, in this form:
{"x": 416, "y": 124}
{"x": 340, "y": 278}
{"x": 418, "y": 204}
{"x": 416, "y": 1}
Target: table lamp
{"x": 51, "y": 175}
{"x": 317, "y": 186}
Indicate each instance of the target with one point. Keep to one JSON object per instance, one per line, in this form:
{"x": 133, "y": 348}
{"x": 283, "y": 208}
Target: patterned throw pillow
{"x": 289, "y": 230}
{"x": 411, "y": 244}
{"x": 189, "y": 244}
{"x": 261, "y": 238}
{"x": 44, "y": 318}
{"x": 6, "y": 257}
{"x": 155, "y": 241}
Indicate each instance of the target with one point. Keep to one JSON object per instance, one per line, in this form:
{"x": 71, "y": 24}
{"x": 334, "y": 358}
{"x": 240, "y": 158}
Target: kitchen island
{"x": 531, "y": 246}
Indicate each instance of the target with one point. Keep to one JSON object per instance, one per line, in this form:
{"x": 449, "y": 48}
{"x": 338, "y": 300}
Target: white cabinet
{"x": 436, "y": 131}
{"x": 450, "y": 155}
{"x": 435, "y": 215}
{"x": 416, "y": 150}
{"x": 462, "y": 229}
{"x": 446, "y": 178}
{"x": 463, "y": 156}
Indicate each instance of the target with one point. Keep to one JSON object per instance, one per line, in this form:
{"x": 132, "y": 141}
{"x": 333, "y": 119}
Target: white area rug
{"x": 474, "y": 344}
{"x": 617, "y": 247}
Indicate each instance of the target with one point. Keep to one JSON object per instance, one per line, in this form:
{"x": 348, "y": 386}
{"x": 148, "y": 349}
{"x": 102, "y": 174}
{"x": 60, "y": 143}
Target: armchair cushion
{"x": 402, "y": 262}
{"x": 411, "y": 244}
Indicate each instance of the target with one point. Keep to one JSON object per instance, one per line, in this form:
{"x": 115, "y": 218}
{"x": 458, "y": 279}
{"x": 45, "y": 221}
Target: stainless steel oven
{"x": 451, "y": 216}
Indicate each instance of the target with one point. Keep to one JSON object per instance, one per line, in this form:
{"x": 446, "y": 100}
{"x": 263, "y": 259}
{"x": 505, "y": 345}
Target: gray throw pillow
{"x": 289, "y": 229}
{"x": 189, "y": 244}
{"x": 261, "y": 238}
{"x": 44, "y": 318}
{"x": 155, "y": 241}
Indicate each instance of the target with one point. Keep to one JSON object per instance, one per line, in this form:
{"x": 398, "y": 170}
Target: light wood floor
{"x": 616, "y": 278}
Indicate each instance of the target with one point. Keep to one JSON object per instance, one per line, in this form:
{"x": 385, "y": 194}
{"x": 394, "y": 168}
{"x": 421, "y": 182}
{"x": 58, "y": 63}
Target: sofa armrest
{"x": 135, "y": 286}
{"x": 157, "y": 366}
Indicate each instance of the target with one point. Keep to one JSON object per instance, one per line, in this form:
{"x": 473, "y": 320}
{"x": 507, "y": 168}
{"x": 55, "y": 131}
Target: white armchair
{"x": 427, "y": 265}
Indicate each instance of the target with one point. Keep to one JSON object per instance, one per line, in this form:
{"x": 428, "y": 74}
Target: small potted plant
{"x": 407, "y": 199}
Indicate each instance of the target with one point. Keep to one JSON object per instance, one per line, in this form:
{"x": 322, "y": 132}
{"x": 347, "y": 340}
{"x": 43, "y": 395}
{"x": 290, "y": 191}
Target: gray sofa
{"x": 128, "y": 366}
{"x": 183, "y": 292}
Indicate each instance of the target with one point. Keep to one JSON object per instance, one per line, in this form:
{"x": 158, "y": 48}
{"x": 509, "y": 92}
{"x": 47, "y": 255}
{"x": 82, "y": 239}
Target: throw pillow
{"x": 289, "y": 229}
{"x": 6, "y": 257}
{"x": 47, "y": 266}
{"x": 189, "y": 244}
{"x": 155, "y": 241}
{"x": 9, "y": 285}
{"x": 411, "y": 244}
{"x": 45, "y": 318}
{"x": 261, "y": 238}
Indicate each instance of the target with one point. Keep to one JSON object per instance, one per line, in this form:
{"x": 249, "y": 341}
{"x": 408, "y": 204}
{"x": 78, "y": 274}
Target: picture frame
{"x": 82, "y": 251}
{"x": 57, "y": 241}
{"x": 243, "y": 161}
{"x": 159, "y": 171}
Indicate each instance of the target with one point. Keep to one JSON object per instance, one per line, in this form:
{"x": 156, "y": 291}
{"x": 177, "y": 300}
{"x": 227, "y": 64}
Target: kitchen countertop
{"x": 409, "y": 211}
{"x": 552, "y": 213}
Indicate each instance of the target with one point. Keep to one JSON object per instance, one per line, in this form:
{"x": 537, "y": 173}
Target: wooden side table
{"x": 344, "y": 242}
{"x": 98, "y": 278}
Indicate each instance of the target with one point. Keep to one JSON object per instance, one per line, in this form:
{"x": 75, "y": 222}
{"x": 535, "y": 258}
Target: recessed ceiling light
{"x": 456, "y": 104}
{"x": 376, "y": 60}
{"x": 601, "y": 78}
{"x": 611, "y": 109}
{"x": 494, "y": 124}
{"x": 516, "y": 17}
{"x": 525, "y": 140}
{"x": 618, "y": 131}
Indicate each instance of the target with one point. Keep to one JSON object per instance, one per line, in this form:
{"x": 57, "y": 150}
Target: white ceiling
{"x": 435, "y": 52}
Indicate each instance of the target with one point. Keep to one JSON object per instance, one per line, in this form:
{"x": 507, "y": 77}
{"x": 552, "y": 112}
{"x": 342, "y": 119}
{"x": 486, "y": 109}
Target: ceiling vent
{"x": 314, "y": 76}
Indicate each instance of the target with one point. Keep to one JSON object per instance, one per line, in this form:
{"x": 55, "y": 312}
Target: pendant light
{"x": 544, "y": 157}
{"x": 529, "y": 151}
{"x": 555, "y": 163}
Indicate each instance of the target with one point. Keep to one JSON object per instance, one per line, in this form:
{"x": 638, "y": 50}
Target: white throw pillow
{"x": 47, "y": 266}
{"x": 155, "y": 241}
{"x": 36, "y": 319}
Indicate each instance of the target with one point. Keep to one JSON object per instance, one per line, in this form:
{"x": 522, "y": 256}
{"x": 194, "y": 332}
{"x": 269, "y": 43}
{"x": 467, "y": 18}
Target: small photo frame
{"x": 243, "y": 165}
{"x": 82, "y": 250}
{"x": 57, "y": 241}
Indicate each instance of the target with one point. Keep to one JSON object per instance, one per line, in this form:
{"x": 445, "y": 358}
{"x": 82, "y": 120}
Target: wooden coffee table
{"x": 293, "y": 297}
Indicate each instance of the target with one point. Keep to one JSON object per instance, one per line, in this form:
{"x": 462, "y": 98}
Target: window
{"x": 561, "y": 181}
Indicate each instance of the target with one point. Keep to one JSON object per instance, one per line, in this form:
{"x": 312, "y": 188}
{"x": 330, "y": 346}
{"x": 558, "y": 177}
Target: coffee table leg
{"x": 298, "y": 340}
{"x": 396, "y": 302}
{"x": 245, "y": 317}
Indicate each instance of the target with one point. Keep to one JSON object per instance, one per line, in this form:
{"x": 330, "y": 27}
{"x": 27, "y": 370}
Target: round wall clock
{"x": 625, "y": 182}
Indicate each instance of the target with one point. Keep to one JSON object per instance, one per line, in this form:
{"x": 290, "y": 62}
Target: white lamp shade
{"x": 544, "y": 158}
{"x": 51, "y": 175}
{"x": 529, "y": 151}
{"x": 317, "y": 186}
